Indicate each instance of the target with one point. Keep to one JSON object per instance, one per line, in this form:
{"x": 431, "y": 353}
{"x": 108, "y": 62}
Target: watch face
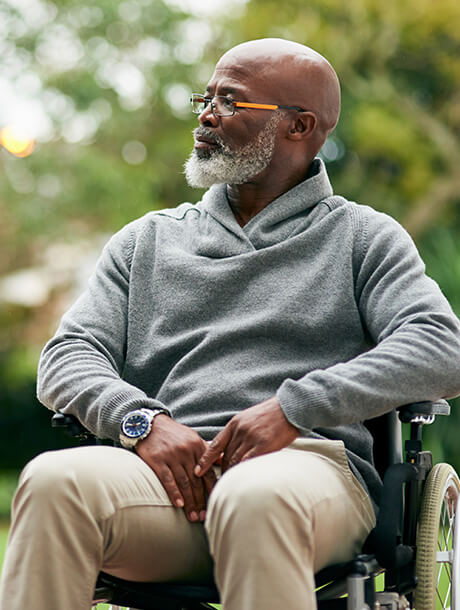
{"x": 135, "y": 425}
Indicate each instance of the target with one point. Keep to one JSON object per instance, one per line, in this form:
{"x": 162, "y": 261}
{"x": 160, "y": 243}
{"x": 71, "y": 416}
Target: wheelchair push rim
{"x": 438, "y": 542}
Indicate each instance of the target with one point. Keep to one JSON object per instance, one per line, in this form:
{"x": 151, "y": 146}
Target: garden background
{"x": 95, "y": 126}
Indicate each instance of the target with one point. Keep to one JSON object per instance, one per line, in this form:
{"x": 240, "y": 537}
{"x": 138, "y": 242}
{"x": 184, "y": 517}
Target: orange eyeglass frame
{"x": 263, "y": 106}
{"x": 236, "y": 104}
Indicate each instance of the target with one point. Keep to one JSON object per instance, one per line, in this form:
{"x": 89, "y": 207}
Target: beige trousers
{"x": 271, "y": 523}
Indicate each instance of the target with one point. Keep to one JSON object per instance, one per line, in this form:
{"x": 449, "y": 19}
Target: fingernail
{"x": 202, "y": 515}
{"x": 193, "y": 516}
{"x": 179, "y": 503}
{"x": 197, "y": 470}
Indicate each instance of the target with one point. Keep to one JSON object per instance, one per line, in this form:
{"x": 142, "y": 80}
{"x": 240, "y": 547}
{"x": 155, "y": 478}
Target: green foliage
{"x": 26, "y": 429}
{"x": 95, "y": 184}
{"x": 3, "y": 539}
{"x": 399, "y": 69}
{"x": 441, "y": 252}
{"x": 113, "y": 81}
{"x": 8, "y": 482}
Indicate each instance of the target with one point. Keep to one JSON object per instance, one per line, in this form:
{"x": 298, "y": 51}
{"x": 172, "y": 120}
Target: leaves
{"x": 103, "y": 89}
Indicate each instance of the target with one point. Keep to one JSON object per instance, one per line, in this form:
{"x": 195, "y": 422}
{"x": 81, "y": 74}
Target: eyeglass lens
{"x": 222, "y": 106}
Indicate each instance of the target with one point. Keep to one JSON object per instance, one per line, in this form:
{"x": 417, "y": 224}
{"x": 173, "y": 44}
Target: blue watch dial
{"x": 135, "y": 425}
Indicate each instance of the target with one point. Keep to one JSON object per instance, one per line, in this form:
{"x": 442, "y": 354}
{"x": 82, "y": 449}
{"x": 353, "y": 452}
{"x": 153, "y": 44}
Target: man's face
{"x": 232, "y": 149}
{"x": 222, "y": 164}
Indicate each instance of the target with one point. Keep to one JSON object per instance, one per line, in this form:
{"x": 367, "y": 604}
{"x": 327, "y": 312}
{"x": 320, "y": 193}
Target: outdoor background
{"x": 95, "y": 126}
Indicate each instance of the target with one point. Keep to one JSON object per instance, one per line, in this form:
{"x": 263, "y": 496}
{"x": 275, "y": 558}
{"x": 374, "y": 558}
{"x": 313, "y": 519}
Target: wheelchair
{"x": 414, "y": 548}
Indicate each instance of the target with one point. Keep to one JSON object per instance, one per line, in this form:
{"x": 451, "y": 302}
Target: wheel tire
{"x": 438, "y": 533}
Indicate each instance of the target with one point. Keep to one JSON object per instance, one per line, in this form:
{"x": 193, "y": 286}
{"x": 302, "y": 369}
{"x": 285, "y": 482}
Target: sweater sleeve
{"x": 414, "y": 332}
{"x": 81, "y": 367}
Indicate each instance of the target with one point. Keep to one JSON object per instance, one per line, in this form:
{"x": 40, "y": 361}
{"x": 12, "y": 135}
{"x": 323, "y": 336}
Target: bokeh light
{"x": 16, "y": 141}
{"x": 134, "y": 152}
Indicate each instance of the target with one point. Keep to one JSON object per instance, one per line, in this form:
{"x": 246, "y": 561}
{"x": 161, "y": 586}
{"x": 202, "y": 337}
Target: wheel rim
{"x": 438, "y": 542}
{"x": 446, "y": 558}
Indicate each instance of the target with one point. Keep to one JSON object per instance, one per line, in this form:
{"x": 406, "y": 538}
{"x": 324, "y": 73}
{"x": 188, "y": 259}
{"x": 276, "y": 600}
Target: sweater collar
{"x": 279, "y": 219}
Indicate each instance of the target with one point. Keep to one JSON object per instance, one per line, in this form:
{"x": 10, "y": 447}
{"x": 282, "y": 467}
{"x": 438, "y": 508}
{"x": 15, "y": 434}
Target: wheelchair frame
{"x": 416, "y": 541}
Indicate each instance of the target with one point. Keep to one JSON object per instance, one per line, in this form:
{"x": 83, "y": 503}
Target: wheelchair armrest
{"x": 423, "y": 409}
{"x": 72, "y": 426}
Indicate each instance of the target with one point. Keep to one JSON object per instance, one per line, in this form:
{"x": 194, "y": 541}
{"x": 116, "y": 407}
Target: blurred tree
{"x": 108, "y": 84}
{"x": 103, "y": 89}
{"x": 397, "y": 145}
{"x": 113, "y": 79}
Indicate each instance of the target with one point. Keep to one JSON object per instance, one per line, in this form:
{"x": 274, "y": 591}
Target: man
{"x": 271, "y": 319}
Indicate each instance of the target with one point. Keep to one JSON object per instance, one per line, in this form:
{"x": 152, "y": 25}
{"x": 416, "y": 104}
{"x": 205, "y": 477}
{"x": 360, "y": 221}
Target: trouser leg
{"x": 79, "y": 511}
{"x": 275, "y": 520}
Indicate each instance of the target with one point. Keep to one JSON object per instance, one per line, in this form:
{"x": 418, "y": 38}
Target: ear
{"x": 302, "y": 126}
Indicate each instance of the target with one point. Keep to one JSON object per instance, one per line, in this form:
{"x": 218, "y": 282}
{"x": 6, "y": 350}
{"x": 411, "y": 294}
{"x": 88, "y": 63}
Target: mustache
{"x": 204, "y": 132}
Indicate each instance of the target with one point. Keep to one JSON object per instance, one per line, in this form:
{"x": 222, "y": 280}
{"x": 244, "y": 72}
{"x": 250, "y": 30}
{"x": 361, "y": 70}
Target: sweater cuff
{"x": 113, "y": 412}
{"x": 299, "y": 403}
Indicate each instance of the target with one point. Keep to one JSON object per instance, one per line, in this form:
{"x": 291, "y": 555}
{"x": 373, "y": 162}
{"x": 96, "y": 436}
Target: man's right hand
{"x": 172, "y": 450}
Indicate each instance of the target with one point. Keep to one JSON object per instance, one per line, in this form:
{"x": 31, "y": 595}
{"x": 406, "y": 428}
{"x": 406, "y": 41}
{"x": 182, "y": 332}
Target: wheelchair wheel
{"x": 438, "y": 542}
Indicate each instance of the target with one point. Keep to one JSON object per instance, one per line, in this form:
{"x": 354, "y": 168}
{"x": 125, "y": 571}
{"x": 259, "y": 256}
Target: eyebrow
{"x": 225, "y": 90}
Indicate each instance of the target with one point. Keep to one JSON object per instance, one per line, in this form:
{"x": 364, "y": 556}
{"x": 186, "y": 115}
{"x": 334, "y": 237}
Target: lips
{"x": 205, "y": 140}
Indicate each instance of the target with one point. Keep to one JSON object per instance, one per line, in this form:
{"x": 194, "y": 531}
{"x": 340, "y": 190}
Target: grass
{"x": 3, "y": 539}
{"x": 8, "y": 482}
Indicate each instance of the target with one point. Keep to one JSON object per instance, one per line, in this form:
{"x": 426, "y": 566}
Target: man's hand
{"x": 172, "y": 450}
{"x": 260, "y": 429}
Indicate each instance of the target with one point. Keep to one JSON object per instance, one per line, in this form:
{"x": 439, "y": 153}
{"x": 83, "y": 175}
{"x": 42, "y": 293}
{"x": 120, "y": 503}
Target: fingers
{"x": 213, "y": 452}
{"x": 249, "y": 454}
{"x": 193, "y": 492}
{"x": 209, "y": 479}
{"x": 185, "y": 490}
{"x": 233, "y": 455}
{"x": 168, "y": 481}
{"x": 226, "y": 449}
{"x": 172, "y": 450}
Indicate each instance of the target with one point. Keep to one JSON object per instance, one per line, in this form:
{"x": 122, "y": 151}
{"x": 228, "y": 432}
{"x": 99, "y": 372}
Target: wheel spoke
{"x": 448, "y": 591}
{"x": 439, "y": 590}
{"x": 443, "y": 525}
{"x": 444, "y": 599}
{"x": 437, "y": 555}
{"x": 439, "y": 597}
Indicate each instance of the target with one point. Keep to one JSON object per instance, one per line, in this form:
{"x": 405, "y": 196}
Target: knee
{"x": 243, "y": 495}
{"x": 54, "y": 482}
{"x": 43, "y": 476}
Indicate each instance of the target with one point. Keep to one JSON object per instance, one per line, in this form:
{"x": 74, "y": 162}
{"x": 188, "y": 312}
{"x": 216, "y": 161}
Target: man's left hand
{"x": 257, "y": 430}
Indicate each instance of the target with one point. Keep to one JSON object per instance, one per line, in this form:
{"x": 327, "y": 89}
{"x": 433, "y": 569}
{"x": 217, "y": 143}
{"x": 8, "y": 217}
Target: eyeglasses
{"x": 223, "y": 106}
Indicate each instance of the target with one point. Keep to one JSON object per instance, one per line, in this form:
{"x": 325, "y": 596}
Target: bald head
{"x": 293, "y": 74}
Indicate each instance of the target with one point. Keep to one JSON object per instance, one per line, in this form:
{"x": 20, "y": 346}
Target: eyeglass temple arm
{"x": 266, "y": 106}
{"x": 246, "y": 104}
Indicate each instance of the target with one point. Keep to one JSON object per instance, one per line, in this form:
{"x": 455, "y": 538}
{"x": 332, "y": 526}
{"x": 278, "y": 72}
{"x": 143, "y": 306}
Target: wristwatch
{"x": 136, "y": 425}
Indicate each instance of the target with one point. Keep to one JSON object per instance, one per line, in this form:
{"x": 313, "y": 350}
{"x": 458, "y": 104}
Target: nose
{"x": 207, "y": 118}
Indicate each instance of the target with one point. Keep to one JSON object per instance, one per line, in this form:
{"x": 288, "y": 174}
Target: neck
{"x": 247, "y": 200}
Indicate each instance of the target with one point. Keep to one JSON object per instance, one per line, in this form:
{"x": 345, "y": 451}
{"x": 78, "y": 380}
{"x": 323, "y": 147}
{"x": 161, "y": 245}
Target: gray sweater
{"x": 319, "y": 300}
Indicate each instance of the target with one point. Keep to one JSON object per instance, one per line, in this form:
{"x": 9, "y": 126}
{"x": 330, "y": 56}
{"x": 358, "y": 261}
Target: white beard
{"x": 226, "y": 166}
